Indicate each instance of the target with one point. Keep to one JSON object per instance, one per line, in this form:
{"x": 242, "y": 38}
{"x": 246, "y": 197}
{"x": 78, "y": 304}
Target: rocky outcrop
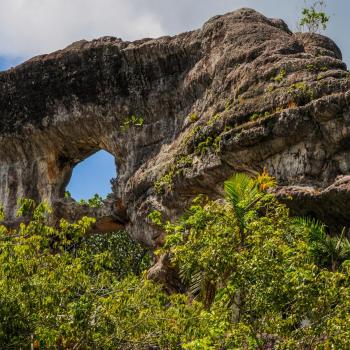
{"x": 181, "y": 114}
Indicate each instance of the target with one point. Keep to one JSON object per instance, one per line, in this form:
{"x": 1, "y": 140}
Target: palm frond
{"x": 242, "y": 192}
{"x": 240, "y": 187}
{"x": 328, "y": 251}
{"x": 194, "y": 280}
{"x": 345, "y": 249}
{"x": 196, "y": 283}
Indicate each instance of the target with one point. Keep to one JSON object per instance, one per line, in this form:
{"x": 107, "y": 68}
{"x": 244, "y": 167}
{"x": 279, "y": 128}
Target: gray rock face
{"x": 240, "y": 94}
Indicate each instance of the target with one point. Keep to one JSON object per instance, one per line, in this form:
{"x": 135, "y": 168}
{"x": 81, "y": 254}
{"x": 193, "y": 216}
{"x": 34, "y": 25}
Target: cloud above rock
{"x": 30, "y": 27}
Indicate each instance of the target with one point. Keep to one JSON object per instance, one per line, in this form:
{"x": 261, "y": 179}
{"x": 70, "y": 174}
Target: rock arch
{"x": 239, "y": 94}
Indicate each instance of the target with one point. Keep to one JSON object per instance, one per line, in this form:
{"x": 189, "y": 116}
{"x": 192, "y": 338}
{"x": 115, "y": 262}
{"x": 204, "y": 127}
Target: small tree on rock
{"x": 314, "y": 18}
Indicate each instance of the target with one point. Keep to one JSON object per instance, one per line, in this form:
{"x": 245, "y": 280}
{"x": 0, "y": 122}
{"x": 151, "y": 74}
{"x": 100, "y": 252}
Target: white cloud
{"x": 31, "y": 27}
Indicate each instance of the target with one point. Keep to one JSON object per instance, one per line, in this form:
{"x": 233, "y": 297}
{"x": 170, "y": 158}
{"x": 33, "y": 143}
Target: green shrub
{"x": 255, "y": 278}
{"x": 314, "y": 17}
{"x": 269, "y": 278}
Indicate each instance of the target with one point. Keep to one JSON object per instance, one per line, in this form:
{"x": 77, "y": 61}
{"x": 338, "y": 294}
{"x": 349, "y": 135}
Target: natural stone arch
{"x": 213, "y": 101}
{"x": 97, "y": 87}
{"x": 41, "y": 165}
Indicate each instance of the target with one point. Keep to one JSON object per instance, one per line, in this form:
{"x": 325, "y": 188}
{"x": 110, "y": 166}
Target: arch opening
{"x": 92, "y": 177}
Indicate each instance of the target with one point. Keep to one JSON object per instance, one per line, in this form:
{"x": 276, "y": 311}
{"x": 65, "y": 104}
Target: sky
{"x": 92, "y": 176}
{"x": 33, "y": 27}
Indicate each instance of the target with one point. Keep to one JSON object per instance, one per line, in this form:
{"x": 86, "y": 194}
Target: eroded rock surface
{"x": 240, "y": 94}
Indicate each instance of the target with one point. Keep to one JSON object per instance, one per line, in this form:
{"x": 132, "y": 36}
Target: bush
{"x": 314, "y": 17}
{"x": 255, "y": 279}
{"x": 247, "y": 260}
{"x": 54, "y": 281}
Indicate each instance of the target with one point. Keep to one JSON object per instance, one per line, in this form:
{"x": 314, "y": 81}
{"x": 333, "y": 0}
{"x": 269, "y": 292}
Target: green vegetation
{"x": 311, "y": 68}
{"x": 263, "y": 277}
{"x": 95, "y": 202}
{"x": 257, "y": 116}
{"x": 301, "y": 92}
{"x": 199, "y": 144}
{"x": 301, "y": 86}
{"x": 280, "y": 76}
{"x": 167, "y": 180}
{"x": 191, "y": 135}
{"x": 270, "y": 88}
{"x": 316, "y": 68}
{"x": 130, "y": 121}
{"x": 217, "y": 144}
{"x": 204, "y": 146}
{"x": 212, "y": 120}
{"x": 254, "y": 117}
{"x": 193, "y": 117}
{"x": 209, "y": 144}
{"x": 321, "y": 69}
{"x": 56, "y": 283}
{"x": 254, "y": 278}
{"x": 229, "y": 104}
{"x": 314, "y": 17}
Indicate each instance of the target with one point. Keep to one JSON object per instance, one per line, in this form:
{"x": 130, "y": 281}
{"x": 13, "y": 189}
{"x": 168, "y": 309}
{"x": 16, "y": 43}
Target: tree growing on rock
{"x": 314, "y": 18}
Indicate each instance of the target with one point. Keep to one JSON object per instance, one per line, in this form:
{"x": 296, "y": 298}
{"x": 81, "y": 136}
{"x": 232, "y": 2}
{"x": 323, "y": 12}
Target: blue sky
{"x": 92, "y": 176}
{"x": 8, "y": 62}
{"x": 32, "y": 27}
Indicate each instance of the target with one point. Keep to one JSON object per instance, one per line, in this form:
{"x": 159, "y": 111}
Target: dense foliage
{"x": 55, "y": 283}
{"x": 255, "y": 279}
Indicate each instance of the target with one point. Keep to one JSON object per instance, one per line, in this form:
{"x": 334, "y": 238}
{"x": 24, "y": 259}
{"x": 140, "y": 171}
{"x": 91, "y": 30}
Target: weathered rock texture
{"x": 240, "y": 94}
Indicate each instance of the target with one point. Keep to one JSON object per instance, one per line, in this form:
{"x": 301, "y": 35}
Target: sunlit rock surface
{"x": 240, "y": 94}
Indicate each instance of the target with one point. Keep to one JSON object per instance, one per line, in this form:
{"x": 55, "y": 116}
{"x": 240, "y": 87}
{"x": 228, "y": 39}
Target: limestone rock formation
{"x": 181, "y": 114}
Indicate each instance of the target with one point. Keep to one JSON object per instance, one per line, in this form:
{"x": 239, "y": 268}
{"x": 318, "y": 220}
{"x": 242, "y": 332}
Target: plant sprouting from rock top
{"x": 314, "y": 18}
